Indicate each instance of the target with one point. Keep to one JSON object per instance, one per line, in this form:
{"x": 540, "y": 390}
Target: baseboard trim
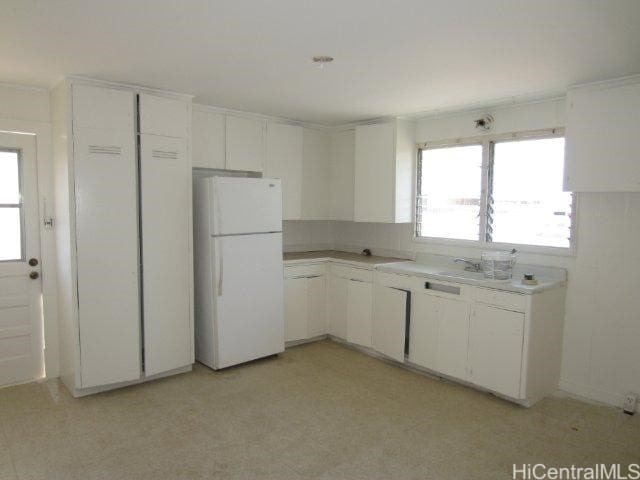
{"x": 589, "y": 393}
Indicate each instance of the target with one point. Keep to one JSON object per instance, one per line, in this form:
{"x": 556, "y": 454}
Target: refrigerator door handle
{"x": 220, "y": 267}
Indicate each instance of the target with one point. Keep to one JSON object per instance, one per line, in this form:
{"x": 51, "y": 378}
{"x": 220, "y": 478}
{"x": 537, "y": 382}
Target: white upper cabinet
{"x": 284, "y": 161}
{"x": 164, "y": 116}
{"x": 207, "y": 139}
{"x": 103, "y": 108}
{"x": 602, "y": 140}
{"x": 245, "y": 144}
{"x": 384, "y": 159}
{"x": 341, "y": 175}
{"x": 316, "y": 152}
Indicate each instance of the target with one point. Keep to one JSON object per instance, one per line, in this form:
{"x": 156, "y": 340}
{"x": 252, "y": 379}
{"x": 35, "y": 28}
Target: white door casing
{"x": 21, "y": 322}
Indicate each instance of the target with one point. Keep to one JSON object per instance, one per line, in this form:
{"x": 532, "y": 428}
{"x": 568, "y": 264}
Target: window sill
{"x": 533, "y": 249}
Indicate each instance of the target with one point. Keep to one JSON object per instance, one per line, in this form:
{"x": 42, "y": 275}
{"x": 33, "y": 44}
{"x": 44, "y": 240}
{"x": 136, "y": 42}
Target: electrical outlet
{"x": 629, "y": 405}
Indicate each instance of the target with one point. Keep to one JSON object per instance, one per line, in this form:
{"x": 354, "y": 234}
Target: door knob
{"x": 33, "y": 275}
{"x": 33, "y": 262}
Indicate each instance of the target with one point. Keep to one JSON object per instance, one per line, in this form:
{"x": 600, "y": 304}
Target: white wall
{"x": 601, "y": 354}
{"x": 26, "y": 110}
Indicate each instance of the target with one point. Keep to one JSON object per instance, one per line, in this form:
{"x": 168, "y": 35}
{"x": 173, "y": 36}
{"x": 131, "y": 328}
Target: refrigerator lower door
{"x": 248, "y": 286}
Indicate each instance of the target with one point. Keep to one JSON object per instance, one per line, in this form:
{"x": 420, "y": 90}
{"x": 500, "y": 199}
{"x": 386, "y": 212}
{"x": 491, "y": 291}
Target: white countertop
{"x": 436, "y": 272}
{"x": 439, "y": 268}
{"x": 355, "y": 259}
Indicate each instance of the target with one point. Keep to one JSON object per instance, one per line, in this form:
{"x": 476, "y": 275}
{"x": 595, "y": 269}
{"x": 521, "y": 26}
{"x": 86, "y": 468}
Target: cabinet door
{"x": 342, "y": 175}
{"x": 602, "y": 140}
{"x": 453, "y": 337}
{"x": 495, "y": 349}
{"x": 374, "y": 194}
{"x": 107, "y": 256}
{"x": 315, "y": 174}
{"x": 245, "y": 145}
{"x": 168, "y": 117}
{"x": 166, "y": 254}
{"x": 296, "y": 306}
{"x": 207, "y": 139}
{"x": 284, "y": 161}
{"x": 389, "y": 321}
{"x": 423, "y": 337}
{"x": 317, "y": 306}
{"x": 103, "y": 108}
{"x": 337, "y": 306}
{"x": 359, "y": 299}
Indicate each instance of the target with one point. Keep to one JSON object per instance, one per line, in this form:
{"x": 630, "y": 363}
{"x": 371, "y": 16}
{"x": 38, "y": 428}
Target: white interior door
{"x": 21, "y": 329}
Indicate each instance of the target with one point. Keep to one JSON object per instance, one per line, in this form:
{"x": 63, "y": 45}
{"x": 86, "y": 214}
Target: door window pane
{"x": 529, "y": 206}
{"x": 10, "y": 238}
{"x": 448, "y": 203}
{"x": 9, "y": 177}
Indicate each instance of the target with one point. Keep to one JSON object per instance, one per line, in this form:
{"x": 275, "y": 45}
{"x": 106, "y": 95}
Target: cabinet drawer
{"x": 352, "y": 273}
{"x": 301, "y": 271}
{"x": 510, "y": 301}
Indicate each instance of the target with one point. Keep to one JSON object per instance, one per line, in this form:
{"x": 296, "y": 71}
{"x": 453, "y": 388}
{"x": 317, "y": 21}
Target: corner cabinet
{"x": 602, "y": 141}
{"x": 384, "y": 162}
{"x": 123, "y": 233}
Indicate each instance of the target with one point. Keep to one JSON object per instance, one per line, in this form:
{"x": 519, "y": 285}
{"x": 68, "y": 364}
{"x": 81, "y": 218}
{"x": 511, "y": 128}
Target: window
{"x": 522, "y": 201}
{"x": 451, "y": 181}
{"x": 10, "y": 206}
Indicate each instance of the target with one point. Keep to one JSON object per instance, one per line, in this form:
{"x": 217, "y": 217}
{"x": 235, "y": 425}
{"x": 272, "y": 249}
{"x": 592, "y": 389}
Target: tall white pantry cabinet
{"x": 123, "y": 232}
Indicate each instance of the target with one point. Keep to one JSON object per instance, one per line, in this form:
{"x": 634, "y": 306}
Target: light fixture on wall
{"x": 484, "y": 123}
{"x": 321, "y": 60}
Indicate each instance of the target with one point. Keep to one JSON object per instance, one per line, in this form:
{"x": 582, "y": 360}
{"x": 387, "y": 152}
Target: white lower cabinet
{"x": 389, "y": 321}
{"x": 337, "y": 306}
{"x": 359, "y": 299}
{"x": 439, "y": 334}
{"x": 496, "y": 339}
{"x": 506, "y": 342}
{"x": 453, "y": 337}
{"x": 295, "y": 309}
{"x": 317, "y": 306}
{"x": 305, "y": 306}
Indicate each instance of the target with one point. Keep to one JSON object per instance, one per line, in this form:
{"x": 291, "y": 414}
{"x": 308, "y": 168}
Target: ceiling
{"x": 391, "y": 57}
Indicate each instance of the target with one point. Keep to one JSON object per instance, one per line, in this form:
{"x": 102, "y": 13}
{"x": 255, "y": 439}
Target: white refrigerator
{"x": 238, "y": 270}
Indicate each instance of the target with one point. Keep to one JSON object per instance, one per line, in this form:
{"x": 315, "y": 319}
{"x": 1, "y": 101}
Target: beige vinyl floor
{"x": 320, "y": 411}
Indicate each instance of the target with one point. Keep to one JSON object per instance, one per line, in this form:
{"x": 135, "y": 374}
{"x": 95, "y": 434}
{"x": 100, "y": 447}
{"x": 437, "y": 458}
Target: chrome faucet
{"x": 470, "y": 266}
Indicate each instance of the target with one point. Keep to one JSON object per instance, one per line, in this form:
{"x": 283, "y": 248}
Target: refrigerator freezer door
{"x": 248, "y": 285}
{"x": 245, "y": 205}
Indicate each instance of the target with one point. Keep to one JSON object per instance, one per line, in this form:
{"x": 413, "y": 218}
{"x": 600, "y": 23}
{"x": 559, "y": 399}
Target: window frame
{"x": 19, "y": 205}
{"x": 488, "y": 142}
